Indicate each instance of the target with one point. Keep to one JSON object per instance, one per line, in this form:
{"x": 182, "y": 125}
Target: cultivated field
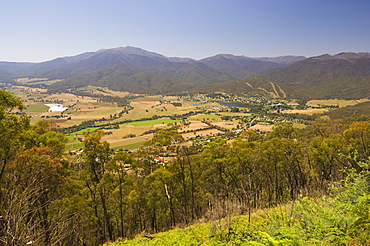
{"x": 130, "y": 135}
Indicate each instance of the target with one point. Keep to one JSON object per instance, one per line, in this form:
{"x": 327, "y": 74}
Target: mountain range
{"x": 345, "y": 75}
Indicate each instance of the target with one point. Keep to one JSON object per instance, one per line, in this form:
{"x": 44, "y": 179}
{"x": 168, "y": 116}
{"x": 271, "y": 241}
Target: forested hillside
{"x": 51, "y": 198}
{"x": 344, "y": 76}
{"x": 139, "y": 71}
{"x": 339, "y": 219}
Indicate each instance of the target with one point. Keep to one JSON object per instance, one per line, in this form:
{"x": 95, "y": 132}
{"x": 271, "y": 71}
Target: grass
{"x": 299, "y": 126}
{"x": 130, "y": 146}
{"x": 91, "y": 88}
{"x": 13, "y": 92}
{"x": 153, "y": 122}
{"x": 305, "y": 222}
{"x": 72, "y": 135}
{"x": 74, "y": 145}
{"x": 204, "y": 117}
{"x": 335, "y": 102}
{"x": 339, "y": 219}
{"x": 36, "y": 108}
{"x": 80, "y": 132}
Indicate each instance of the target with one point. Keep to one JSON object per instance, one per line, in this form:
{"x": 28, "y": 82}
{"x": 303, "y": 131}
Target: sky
{"x": 41, "y": 30}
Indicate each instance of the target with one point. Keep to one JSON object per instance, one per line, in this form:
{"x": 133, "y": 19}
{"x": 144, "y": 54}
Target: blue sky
{"x": 40, "y": 30}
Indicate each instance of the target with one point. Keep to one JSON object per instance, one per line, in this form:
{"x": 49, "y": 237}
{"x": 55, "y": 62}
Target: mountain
{"x": 239, "y": 66}
{"x": 283, "y": 60}
{"x": 8, "y": 70}
{"x": 344, "y": 76}
{"x": 107, "y": 67}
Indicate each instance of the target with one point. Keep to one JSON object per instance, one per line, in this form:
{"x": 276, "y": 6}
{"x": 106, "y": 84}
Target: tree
{"x": 358, "y": 139}
{"x": 34, "y": 177}
{"x": 121, "y": 162}
{"x": 96, "y": 155}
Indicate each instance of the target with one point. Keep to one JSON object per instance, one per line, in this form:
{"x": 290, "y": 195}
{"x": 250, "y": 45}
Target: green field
{"x": 80, "y": 132}
{"x": 91, "y": 88}
{"x": 36, "y": 108}
{"x": 153, "y": 122}
{"x": 130, "y": 146}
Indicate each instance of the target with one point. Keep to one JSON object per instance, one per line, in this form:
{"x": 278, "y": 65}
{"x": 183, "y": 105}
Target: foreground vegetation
{"x": 99, "y": 194}
{"x": 339, "y": 219}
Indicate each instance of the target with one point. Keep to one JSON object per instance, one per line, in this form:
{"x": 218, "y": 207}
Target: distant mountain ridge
{"x": 140, "y": 70}
{"x": 284, "y": 60}
{"x": 344, "y": 75}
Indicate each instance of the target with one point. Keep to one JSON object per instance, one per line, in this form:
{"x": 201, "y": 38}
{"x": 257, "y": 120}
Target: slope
{"x": 344, "y": 76}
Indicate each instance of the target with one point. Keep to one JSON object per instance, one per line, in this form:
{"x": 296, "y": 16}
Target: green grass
{"x": 307, "y": 222}
{"x": 91, "y": 88}
{"x": 13, "y": 92}
{"x": 36, "y": 108}
{"x": 153, "y": 122}
{"x": 130, "y": 146}
{"x": 299, "y": 126}
{"x": 45, "y": 82}
{"x": 80, "y": 132}
{"x": 340, "y": 219}
{"x": 73, "y": 146}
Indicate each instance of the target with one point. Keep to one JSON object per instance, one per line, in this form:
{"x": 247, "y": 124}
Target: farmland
{"x": 117, "y": 142}
{"x": 129, "y": 125}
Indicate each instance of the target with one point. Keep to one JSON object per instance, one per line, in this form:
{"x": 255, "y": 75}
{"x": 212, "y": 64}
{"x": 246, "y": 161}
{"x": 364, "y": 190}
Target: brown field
{"x": 226, "y": 124}
{"x": 262, "y": 128}
{"x": 122, "y": 143}
{"x": 87, "y": 108}
{"x": 150, "y": 105}
{"x": 335, "y": 102}
{"x": 200, "y": 133}
{"x": 194, "y": 126}
{"x": 306, "y": 111}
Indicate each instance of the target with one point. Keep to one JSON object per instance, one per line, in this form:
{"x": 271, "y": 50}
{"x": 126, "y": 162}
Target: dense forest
{"x": 48, "y": 197}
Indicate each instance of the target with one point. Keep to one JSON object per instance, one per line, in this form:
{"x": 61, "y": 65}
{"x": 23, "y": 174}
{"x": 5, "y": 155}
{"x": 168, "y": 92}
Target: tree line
{"x": 50, "y": 198}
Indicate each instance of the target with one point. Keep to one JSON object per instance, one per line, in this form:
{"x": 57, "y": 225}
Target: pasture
{"x": 154, "y": 122}
{"x": 133, "y": 134}
{"x": 309, "y": 111}
{"x": 334, "y": 102}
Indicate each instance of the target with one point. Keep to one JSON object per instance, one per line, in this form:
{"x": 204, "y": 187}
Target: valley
{"x": 199, "y": 116}
{"x": 121, "y": 143}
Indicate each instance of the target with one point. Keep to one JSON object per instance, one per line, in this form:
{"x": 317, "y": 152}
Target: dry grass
{"x": 193, "y": 126}
{"x": 200, "y": 133}
{"x": 123, "y": 143}
{"x": 262, "y": 128}
{"x": 335, "y": 102}
{"x": 306, "y": 111}
{"x": 226, "y": 124}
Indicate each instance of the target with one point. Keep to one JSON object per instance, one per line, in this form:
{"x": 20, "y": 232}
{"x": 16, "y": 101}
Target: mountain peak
{"x": 131, "y": 50}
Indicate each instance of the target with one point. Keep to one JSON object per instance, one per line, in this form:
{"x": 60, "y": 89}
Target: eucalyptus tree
{"x": 96, "y": 155}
